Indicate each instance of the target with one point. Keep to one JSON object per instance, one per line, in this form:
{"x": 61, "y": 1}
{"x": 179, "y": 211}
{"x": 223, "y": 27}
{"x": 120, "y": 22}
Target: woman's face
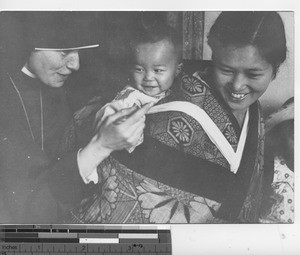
{"x": 53, "y": 67}
{"x": 241, "y": 76}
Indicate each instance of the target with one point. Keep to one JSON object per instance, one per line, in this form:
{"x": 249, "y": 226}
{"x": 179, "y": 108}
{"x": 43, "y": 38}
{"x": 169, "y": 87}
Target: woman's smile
{"x": 241, "y": 76}
{"x": 238, "y": 96}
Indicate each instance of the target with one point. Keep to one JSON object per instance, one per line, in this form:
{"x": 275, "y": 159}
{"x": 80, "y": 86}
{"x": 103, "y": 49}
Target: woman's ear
{"x": 179, "y": 69}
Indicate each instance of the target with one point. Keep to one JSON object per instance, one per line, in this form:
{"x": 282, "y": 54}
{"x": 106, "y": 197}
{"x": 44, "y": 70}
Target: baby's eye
{"x": 159, "y": 70}
{"x": 138, "y": 69}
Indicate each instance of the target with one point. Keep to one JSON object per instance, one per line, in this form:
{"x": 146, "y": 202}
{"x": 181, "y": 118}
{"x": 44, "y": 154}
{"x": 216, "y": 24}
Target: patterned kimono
{"x": 177, "y": 175}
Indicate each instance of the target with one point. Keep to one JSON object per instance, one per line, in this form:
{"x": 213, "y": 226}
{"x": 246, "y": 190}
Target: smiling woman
{"x": 241, "y": 76}
{"x": 53, "y": 67}
{"x": 182, "y": 172}
{"x": 34, "y": 109}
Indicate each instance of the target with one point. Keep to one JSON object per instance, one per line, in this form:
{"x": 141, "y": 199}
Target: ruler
{"x": 84, "y": 239}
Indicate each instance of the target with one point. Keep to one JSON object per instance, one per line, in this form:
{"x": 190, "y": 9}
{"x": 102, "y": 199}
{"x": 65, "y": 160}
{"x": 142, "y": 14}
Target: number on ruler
{"x": 83, "y": 248}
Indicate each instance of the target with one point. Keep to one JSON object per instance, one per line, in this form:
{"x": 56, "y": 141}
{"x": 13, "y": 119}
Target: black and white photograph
{"x": 147, "y": 117}
{"x": 116, "y": 117}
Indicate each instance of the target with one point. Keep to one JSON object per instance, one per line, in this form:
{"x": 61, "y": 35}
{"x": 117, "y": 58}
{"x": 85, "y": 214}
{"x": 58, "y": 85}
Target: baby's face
{"x": 155, "y": 67}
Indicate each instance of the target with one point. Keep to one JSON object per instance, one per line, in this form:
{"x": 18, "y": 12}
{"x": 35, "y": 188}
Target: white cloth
{"x": 93, "y": 177}
{"x": 128, "y": 97}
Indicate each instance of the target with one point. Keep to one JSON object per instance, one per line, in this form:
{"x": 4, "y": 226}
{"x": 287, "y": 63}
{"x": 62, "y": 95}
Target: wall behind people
{"x": 282, "y": 88}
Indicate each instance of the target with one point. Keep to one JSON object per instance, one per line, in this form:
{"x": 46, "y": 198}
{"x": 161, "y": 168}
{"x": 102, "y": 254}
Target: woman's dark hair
{"x": 264, "y": 30}
{"x": 150, "y": 28}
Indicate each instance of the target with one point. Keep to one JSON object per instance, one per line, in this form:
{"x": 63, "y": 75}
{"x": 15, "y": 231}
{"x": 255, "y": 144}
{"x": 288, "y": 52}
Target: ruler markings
{"x": 79, "y": 239}
{"x": 139, "y": 241}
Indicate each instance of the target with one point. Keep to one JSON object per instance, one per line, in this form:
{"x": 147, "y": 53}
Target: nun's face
{"x": 53, "y": 67}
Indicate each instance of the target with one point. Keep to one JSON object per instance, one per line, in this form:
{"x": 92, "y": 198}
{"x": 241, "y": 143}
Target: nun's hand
{"x": 121, "y": 130}
{"x": 116, "y": 132}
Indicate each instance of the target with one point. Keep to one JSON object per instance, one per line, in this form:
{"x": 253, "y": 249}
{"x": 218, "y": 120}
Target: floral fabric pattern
{"x": 282, "y": 209}
{"x": 230, "y": 134}
{"x": 180, "y": 130}
{"x": 193, "y": 86}
{"x": 127, "y": 197}
{"x": 101, "y": 205}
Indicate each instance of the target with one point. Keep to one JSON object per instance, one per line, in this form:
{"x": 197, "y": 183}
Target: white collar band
{"x": 27, "y": 72}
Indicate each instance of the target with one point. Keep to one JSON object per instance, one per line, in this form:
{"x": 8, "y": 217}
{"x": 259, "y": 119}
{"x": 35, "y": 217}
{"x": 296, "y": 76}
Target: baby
{"x": 156, "y": 56}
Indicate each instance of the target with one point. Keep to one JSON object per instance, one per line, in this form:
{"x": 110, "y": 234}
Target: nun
{"x": 34, "y": 112}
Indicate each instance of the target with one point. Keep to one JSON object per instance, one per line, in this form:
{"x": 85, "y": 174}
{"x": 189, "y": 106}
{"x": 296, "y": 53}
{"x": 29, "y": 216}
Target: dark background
{"x": 103, "y": 70}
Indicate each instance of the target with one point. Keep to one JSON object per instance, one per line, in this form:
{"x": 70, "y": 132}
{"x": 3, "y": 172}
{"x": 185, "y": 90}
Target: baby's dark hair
{"x": 154, "y": 31}
{"x": 264, "y": 30}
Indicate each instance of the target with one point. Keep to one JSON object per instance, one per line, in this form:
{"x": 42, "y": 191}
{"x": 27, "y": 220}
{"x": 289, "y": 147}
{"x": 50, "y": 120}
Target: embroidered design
{"x": 206, "y": 206}
{"x": 101, "y": 205}
{"x": 125, "y": 196}
{"x": 215, "y": 111}
{"x": 180, "y": 130}
{"x": 230, "y": 135}
{"x": 208, "y": 147}
{"x": 192, "y": 86}
{"x": 160, "y": 206}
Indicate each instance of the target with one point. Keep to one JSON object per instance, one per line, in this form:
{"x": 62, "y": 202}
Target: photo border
{"x": 208, "y": 239}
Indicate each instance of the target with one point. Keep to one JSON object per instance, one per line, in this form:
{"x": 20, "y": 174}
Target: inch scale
{"x": 84, "y": 240}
